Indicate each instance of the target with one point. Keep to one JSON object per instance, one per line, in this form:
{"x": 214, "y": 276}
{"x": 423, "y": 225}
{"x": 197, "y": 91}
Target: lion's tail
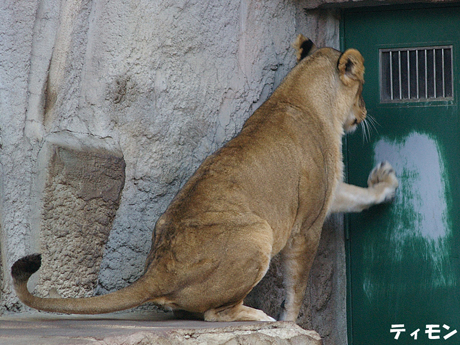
{"x": 129, "y": 297}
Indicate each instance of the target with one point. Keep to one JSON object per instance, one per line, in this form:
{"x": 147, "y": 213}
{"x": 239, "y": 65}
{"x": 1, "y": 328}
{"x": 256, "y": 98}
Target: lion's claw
{"x": 383, "y": 178}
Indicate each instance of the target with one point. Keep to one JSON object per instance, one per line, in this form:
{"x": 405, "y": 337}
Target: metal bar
{"x": 399, "y": 75}
{"x": 408, "y": 75}
{"x": 426, "y": 74}
{"x": 443, "y": 71}
{"x": 452, "y": 71}
{"x": 434, "y": 72}
{"x": 391, "y": 75}
{"x": 416, "y": 74}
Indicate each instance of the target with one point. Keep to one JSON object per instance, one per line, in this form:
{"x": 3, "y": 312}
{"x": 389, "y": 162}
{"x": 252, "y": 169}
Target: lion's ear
{"x": 304, "y": 47}
{"x": 351, "y": 67}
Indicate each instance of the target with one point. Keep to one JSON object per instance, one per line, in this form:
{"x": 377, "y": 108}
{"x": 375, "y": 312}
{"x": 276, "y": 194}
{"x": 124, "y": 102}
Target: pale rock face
{"x": 108, "y": 107}
{"x": 77, "y": 195}
{"x": 167, "y": 83}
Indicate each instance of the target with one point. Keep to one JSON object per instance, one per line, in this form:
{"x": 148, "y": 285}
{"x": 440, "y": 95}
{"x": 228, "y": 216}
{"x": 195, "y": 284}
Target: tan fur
{"x": 267, "y": 191}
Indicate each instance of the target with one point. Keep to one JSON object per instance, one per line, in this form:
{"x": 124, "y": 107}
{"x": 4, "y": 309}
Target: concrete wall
{"x": 106, "y": 109}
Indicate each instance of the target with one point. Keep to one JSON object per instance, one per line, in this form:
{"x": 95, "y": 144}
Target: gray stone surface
{"x": 78, "y": 192}
{"x": 160, "y": 84}
{"x": 132, "y": 329}
{"x": 169, "y": 82}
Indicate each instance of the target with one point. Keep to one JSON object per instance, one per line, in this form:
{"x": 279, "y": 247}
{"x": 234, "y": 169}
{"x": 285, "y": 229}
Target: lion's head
{"x": 350, "y": 70}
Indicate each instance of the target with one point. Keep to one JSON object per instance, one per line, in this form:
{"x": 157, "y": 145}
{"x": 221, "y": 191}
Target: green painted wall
{"x": 403, "y": 258}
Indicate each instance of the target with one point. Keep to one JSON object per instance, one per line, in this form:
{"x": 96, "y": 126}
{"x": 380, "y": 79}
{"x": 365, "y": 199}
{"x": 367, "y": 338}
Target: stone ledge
{"x": 135, "y": 329}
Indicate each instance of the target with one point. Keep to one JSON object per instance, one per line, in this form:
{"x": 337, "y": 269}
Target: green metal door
{"x": 403, "y": 258}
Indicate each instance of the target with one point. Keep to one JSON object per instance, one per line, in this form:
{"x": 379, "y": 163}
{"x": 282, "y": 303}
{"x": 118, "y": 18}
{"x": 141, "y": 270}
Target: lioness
{"x": 266, "y": 191}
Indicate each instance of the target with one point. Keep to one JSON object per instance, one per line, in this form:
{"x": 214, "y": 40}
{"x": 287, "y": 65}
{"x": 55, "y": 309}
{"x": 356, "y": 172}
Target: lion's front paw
{"x": 383, "y": 179}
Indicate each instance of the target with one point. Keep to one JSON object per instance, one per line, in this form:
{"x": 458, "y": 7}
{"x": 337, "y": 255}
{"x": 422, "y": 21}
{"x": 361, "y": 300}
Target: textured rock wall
{"x": 168, "y": 82}
{"x": 87, "y": 87}
{"x": 16, "y": 32}
{"x": 205, "y": 68}
{"x": 77, "y": 197}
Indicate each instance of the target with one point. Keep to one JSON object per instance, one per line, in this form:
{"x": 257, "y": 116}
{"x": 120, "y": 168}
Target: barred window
{"x": 416, "y": 74}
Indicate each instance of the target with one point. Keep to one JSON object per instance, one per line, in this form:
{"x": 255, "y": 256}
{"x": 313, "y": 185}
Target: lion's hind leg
{"x": 232, "y": 260}
{"x": 238, "y": 312}
{"x": 297, "y": 258}
{"x": 245, "y": 270}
